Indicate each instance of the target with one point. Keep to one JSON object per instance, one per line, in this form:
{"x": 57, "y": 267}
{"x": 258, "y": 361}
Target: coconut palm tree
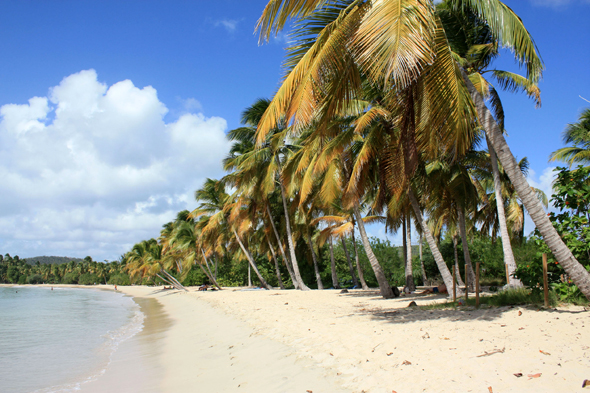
{"x": 225, "y": 215}
{"x": 577, "y": 134}
{"x": 264, "y": 167}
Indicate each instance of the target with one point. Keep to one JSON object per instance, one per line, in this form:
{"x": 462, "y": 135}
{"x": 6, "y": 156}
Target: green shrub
{"x": 119, "y": 279}
{"x": 70, "y": 278}
{"x": 35, "y": 279}
{"x": 195, "y": 277}
{"x": 569, "y": 293}
{"x": 88, "y": 279}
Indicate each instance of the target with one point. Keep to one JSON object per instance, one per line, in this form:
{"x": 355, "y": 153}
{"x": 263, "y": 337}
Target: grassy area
{"x": 510, "y": 297}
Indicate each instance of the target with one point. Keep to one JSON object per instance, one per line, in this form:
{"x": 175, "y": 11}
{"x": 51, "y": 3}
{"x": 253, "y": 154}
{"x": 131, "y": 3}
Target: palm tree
{"x": 263, "y": 166}
{"x": 577, "y": 134}
{"x": 225, "y": 214}
{"x": 402, "y": 45}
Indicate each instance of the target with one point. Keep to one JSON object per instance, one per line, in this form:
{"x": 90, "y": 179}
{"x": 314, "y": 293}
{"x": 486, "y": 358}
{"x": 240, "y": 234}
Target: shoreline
{"x": 325, "y": 341}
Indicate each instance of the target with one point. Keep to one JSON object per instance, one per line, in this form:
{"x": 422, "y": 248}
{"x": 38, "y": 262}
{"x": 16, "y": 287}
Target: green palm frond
{"x": 513, "y": 83}
{"x": 508, "y": 29}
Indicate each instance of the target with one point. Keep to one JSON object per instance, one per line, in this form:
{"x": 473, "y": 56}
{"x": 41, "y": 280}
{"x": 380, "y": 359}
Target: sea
{"x": 57, "y": 340}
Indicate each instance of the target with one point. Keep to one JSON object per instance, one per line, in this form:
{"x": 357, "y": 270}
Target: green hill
{"x": 51, "y": 260}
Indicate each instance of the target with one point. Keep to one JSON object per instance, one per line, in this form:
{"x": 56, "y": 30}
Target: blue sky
{"x": 113, "y": 113}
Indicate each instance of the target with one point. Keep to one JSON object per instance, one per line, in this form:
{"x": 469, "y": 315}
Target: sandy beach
{"x": 325, "y": 341}
{"x": 238, "y": 340}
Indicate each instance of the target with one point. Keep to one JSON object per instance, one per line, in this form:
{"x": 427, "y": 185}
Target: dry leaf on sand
{"x": 531, "y": 376}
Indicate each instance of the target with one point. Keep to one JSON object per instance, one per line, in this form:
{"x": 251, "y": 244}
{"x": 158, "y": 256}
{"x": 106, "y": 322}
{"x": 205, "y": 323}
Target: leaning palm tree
{"x": 577, "y": 134}
{"x": 225, "y": 214}
{"x": 402, "y": 46}
{"x": 263, "y": 166}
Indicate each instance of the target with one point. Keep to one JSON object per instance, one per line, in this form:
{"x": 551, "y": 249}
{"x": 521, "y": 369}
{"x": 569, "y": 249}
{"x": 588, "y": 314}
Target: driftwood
{"x": 486, "y": 353}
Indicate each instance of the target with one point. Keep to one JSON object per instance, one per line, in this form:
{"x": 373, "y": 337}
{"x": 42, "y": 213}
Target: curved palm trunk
{"x": 318, "y": 278}
{"x": 359, "y": 269}
{"x": 296, "y": 272}
{"x": 335, "y": 283}
{"x": 440, "y": 262}
{"x": 249, "y": 275}
{"x": 251, "y": 261}
{"x": 274, "y": 257}
{"x": 422, "y": 260}
{"x": 564, "y": 256}
{"x": 506, "y": 246}
{"x": 384, "y": 286}
{"x": 355, "y": 281}
{"x": 408, "y": 245}
{"x": 460, "y": 282}
{"x": 211, "y": 277}
{"x": 172, "y": 281}
{"x": 463, "y": 233}
{"x": 287, "y": 262}
{"x": 207, "y": 265}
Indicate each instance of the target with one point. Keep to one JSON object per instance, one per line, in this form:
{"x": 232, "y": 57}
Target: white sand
{"x": 360, "y": 342}
{"x": 324, "y": 341}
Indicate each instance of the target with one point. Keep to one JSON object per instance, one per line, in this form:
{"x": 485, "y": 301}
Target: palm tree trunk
{"x": 249, "y": 276}
{"x": 318, "y": 278}
{"x": 274, "y": 257}
{"x": 251, "y": 260}
{"x": 463, "y": 233}
{"x": 177, "y": 283}
{"x": 207, "y": 264}
{"x": 440, "y": 262}
{"x": 355, "y": 281}
{"x": 296, "y": 272}
{"x": 578, "y": 274}
{"x": 422, "y": 260}
{"x": 216, "y": 265}
{"x": 408, "y": 236}
{"x": 335, "y": 283}
{"x": 165, "y": 280}
{"x": 506, "y": 245}
{"x": 384, "y": 287}
{"x": 359, "y": 269}
{"x": 460, "y": 282}
{"x": 172, "y": 281}
{"x": 287, "y": 262}
{"x": 211, "y": 277}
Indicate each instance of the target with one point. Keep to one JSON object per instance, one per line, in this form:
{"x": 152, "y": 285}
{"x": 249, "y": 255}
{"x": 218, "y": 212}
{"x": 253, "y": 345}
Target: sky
{"x": 113, "y": 113}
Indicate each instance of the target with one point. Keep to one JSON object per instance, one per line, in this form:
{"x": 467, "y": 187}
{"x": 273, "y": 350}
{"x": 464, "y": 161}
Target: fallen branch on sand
{"x": 492, "y": 352}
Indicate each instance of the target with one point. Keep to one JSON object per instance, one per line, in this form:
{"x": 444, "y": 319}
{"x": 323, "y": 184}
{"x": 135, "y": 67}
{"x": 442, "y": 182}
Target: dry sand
{"x": 325, "y": 341}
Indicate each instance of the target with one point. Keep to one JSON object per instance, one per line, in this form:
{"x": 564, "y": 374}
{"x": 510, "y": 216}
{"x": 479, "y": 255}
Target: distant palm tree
{"x": 577, "y": 134}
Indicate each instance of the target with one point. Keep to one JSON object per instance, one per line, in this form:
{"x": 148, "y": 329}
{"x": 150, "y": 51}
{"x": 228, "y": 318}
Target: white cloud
{"x": 91, "y": 169}
{"x": 229, "y": 24}
{"x": 544, "y": 183}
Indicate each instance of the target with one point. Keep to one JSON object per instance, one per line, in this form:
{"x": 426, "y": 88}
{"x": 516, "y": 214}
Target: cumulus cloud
{"x": 91, "y": 169}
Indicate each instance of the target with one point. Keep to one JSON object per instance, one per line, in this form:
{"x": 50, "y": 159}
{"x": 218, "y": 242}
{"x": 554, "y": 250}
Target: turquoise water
{"x": 56, "y": 340}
